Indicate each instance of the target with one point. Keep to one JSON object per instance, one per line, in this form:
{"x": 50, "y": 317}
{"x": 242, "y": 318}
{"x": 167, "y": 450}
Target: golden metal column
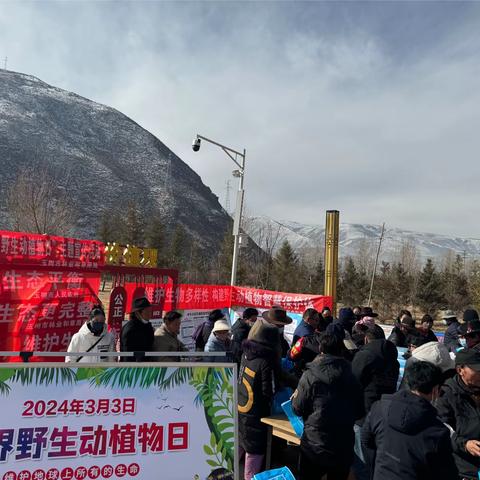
{"x": 332, "y": 226}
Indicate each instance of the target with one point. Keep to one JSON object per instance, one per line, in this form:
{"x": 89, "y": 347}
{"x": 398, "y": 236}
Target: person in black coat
{"x": 402, "y": 437}
{"x": 329, "y": 399}
{"x": 255, "y": 392}
{"x": 459, "y": 407}
{"x": 376, "y": 368}
{"x": 137, "y": 335}
{"x": 425, "y": 329}
{"x": 240, "y": 331}
{"x": 403, "y": 330}
{"x": 451, "y": 338}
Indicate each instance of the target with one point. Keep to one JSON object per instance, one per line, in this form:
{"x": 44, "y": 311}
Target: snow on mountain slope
{"x": 302, "y": 236}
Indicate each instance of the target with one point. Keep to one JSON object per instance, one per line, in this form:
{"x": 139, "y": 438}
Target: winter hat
{"x": 264, "y": 333}
{"x": 277, "y": 316}
{"x": 436, "y": 353}
{"x": 336, "y": 330}
{"x": 468, "y": 357}
{"x": 140, "y": 304}
{"x": 470, "y": 314}
{"x": 346, "y": 315}
{"x": 221, "y": 326}
{"x": 368, "y": 312}
{"x": 448, "y": 314}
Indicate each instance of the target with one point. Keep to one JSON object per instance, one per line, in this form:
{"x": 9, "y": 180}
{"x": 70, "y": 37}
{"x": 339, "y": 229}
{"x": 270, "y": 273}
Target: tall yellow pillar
{"x": 332, "y": 227}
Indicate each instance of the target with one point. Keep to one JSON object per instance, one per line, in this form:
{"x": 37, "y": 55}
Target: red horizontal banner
{"x": 209, "y": 297}
{"x": 31, "y": 249}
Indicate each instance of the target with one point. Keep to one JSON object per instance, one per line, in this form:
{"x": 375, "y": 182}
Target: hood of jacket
{"x": 408, "y": 413}
{"x": 329, "y": 369}
{"x": 85, "y": 331}
{"x": 253, "y": 349}
{"x": 383, "y": 348}
{"x": 436, "y": 353}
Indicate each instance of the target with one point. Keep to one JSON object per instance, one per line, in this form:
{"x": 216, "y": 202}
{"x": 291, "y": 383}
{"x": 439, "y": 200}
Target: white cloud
{"x": 339, "y": 111}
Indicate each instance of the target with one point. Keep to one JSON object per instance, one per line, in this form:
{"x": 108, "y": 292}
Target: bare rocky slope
{"x": 104, "y": 157}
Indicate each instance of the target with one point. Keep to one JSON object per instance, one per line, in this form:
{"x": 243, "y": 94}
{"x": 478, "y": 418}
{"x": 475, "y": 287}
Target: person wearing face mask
{"x": 137, "y": 334}
{"x": 92, "y": 337}
{"x": 219, "y": 340}
{"x": 459, "y": 407}
{"x": 470, "y": 334}
{"x": 402, "y": 438}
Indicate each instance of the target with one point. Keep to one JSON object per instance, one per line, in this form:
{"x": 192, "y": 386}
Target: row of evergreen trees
{"x": 398, "y": 284}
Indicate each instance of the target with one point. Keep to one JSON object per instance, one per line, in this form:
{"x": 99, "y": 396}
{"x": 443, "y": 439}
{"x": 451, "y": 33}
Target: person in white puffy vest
{"x": 93, "y": 337}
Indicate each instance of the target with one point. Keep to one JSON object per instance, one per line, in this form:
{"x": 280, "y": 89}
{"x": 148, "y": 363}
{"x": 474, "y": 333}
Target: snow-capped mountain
{"x": 108, "y": 158}
{"x": 354, "y": 237}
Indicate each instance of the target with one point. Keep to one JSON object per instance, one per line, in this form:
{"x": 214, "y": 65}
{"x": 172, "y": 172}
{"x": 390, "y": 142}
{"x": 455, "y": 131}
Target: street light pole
{"x": 240, "y": 173}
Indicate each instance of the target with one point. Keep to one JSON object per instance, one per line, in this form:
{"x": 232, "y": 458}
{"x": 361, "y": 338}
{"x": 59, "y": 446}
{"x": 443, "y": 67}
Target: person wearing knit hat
{"x": 219, "y": 340}
{"x": 255, "y": 393}
{"x": 470, "y": 314}
{"x": 435, "y": 353}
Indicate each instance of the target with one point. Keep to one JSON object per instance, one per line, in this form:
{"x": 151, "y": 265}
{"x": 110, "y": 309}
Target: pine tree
{"x": 429, "y": 294}
{"x": 134, "y": 226}
{"x": 155, "y": 237}
{"x": 455, "y": 285}
{"x": 402, "y": 285}
{"x": 349, "y": 284}
{"x": 108, "y": 228}
{"x": 286, "y": 268}
{"x": 318, "y": 278}
{"x": 178, "y": 250}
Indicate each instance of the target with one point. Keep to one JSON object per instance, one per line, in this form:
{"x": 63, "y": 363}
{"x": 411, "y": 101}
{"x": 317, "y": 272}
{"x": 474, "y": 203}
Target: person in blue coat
{"x": 307, "y": 326}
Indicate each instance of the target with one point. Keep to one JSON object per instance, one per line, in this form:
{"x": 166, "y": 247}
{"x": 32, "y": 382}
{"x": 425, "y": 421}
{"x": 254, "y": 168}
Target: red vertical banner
{"x": 48, "y": 286}
{"x": 117, "y": 309}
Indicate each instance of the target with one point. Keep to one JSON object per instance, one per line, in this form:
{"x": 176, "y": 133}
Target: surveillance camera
{"x": 196, "y": 145}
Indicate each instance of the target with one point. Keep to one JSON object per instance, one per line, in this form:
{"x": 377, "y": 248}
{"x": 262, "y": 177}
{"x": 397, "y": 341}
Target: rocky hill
{"x": 107, "y": 158}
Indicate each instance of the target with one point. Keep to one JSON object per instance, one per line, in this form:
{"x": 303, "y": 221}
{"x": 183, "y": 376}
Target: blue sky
{"x": 369, "y": 108}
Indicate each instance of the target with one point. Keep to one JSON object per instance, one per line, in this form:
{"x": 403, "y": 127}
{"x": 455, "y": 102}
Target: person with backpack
{"x": 203, "y": 331}
{"x": 94, "y": 337}
{"x": 402, "y": 437}
{"x": 256, "y": 384}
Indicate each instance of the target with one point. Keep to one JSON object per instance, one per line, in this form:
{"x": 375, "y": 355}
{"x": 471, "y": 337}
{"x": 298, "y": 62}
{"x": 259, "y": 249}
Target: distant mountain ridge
{"x": 109, "y": 158}
{"x": 428, "y": 245}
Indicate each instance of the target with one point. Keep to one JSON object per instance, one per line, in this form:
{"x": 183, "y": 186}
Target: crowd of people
{"x": 361, "y": 420}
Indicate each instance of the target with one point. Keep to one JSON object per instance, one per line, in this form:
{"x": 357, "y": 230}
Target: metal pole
{"x": 238, "y": 221}
{"x": 375, "y": 266}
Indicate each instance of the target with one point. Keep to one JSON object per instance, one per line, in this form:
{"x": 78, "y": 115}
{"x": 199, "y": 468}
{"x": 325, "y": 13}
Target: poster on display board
{"x": 191, "y": 319}
{"x": 128, "y": 421}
